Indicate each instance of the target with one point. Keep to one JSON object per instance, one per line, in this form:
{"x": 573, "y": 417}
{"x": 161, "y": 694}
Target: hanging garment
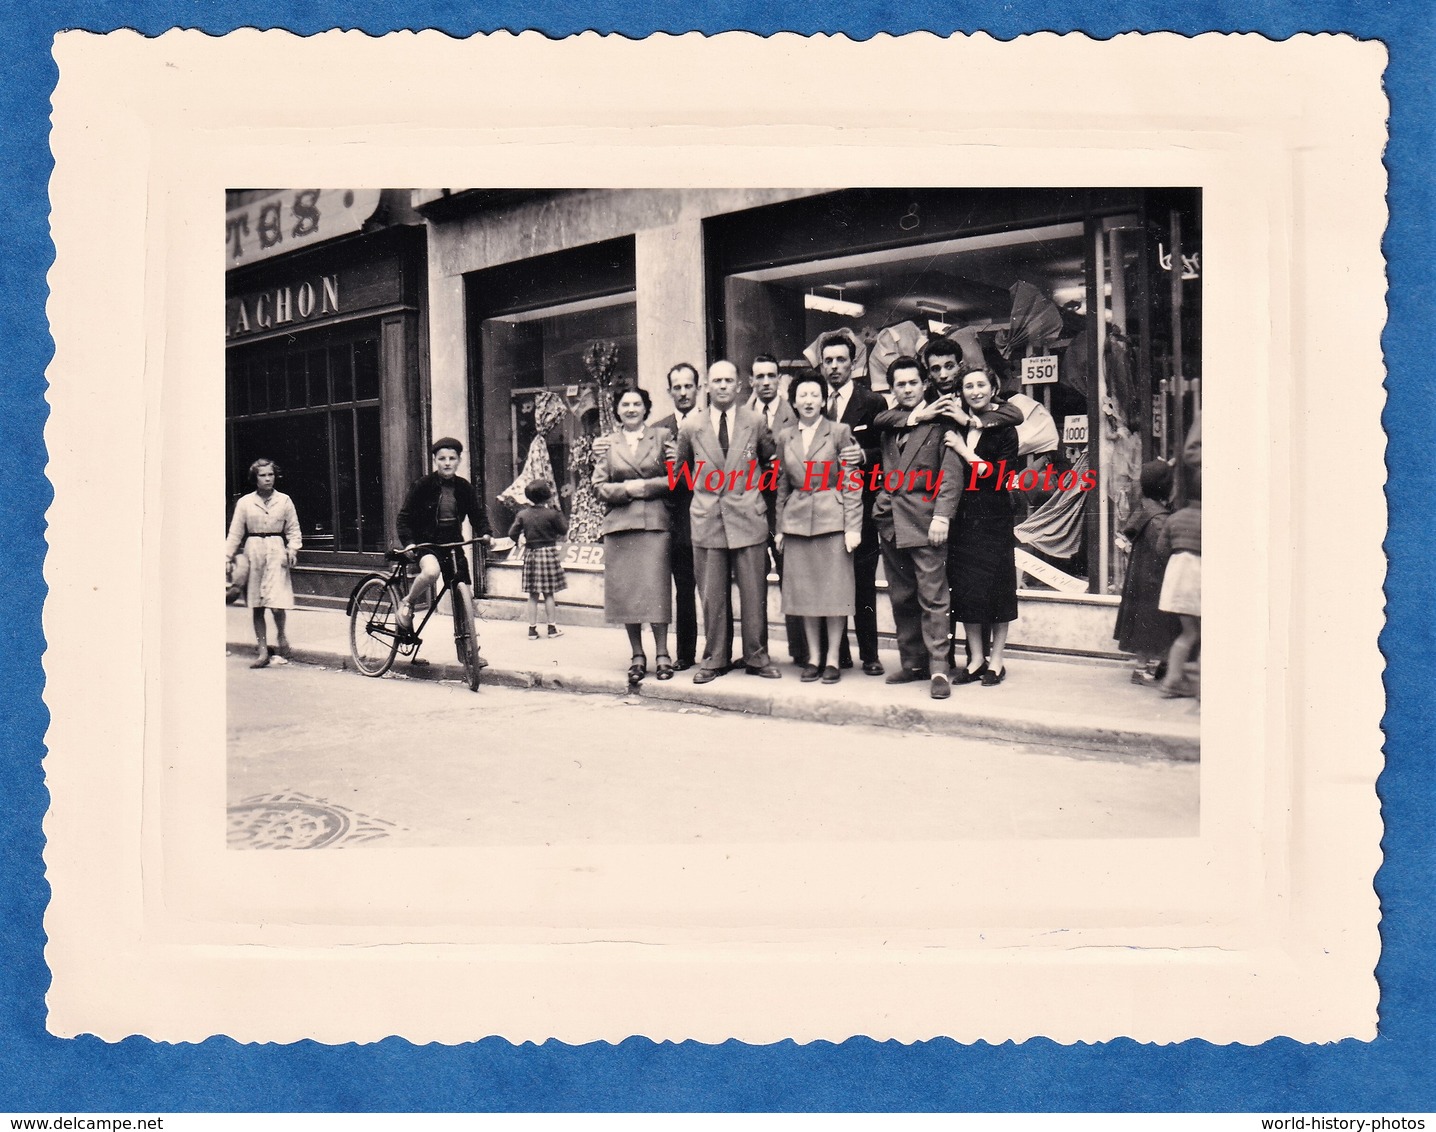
{"x": 585, "y": 519}
{"x": 1035, "y": 319}
{"x": 891, "y": 343}
{"x": 538, "y": 465}
{"x": 1055, "y": 528}
{"x": 1038, "y": 431}
{"x": 1121, "y": 382}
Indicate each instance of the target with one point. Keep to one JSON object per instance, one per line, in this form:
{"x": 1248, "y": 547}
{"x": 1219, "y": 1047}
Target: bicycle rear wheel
{"x": 465, "y": 643}
{"x": 373, "y": 627}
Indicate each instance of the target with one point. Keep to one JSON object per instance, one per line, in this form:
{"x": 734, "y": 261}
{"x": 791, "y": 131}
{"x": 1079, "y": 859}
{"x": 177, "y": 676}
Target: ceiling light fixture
{"x": 833, "y": 306}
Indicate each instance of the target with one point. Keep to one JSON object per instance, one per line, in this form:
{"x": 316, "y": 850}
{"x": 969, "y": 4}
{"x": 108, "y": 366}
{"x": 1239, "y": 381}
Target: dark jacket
{"x": 419, "y": 517}
{"x": 679, "y": 500}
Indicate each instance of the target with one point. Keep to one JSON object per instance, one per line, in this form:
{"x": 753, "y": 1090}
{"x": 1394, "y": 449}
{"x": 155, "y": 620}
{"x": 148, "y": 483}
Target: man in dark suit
{"x": 726, "y": 448}
{"x": 683, "y": 390}
{"x": 913, "y": 520}
{"x": 777, "y": 414}
{"x": 857, "y": 407}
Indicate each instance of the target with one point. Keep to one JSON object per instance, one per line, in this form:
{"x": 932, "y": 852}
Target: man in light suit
{"x": 683, "y": 390}
{"x": 777, "y": 414}
{"x": 729, "y": 522}
{"x": 857, "y": 407}
{"x": 913, "y": 533}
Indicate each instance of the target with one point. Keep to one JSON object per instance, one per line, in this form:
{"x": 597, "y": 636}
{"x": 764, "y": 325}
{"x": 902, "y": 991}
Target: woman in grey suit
{"x": 818, "y": 524}
{"x": 631, "y": 478}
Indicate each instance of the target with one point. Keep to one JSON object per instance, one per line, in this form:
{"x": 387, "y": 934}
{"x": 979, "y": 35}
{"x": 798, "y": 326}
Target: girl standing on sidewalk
{"x": 1141, "y": 627}
{"x": 1182, "y": 592}
{"x": 542, "y": 528}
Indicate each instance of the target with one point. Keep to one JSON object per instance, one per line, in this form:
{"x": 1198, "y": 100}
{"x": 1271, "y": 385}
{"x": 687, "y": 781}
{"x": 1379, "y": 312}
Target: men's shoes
{"x": 941, "y": 687}
{"x": 906, "y": 676}
{"x": 766, "y": 671}
{"x": 873, "y": 668}
{"x": 684, "y": 665}
{"x": 846, "y": 662}
{"x": 831, "y": 675}
{"x": 706, "y": 675}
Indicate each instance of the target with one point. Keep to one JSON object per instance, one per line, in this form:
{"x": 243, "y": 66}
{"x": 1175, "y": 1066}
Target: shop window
{"x": 1017, "y": 299}
{"x": 535, "y": 378}
{"x": 366, "y": 369}
{"x": 282, "y": 405}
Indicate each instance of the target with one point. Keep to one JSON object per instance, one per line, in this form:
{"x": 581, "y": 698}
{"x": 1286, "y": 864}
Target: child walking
{"x": 542, "y": 528}
{"x": 1142, "y": 628}
{"x": 1182, "y": 593}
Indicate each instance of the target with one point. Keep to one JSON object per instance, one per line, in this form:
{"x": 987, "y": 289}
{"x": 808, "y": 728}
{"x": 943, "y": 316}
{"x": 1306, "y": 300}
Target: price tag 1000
{"x": 1040, "y": 370}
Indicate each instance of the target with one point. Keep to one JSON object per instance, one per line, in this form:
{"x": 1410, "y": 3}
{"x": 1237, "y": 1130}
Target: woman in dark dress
{"x": 980, "y": 567}
{"x": 631, "y": 478}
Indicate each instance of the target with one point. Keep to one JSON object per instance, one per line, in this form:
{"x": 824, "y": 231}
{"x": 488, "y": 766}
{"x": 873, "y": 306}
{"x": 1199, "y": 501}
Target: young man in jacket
{"x": 434, "y": 511}
{"x": 913, "y": 524}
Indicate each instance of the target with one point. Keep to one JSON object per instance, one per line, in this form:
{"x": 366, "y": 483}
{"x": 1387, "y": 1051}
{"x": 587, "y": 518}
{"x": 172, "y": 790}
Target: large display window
{"x": 1017, "y": 299}
{"x": 550, "y": 337}
{"x": 1067, "y": 295}
{"x": 310, "y": 402}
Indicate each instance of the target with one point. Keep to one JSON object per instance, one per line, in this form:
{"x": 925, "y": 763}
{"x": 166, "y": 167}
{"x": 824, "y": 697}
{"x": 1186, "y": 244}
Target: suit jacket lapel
{"x": 741, "y": 428}
{"x": 917, "y": 439}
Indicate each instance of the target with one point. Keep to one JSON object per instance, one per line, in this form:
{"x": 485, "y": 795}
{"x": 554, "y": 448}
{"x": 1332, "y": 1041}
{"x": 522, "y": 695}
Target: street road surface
{"x": 404, "y": 762}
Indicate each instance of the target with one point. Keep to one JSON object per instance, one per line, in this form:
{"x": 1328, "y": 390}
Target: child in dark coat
{"x": 1142, "y": 628}
{"x": 542, "y": 528}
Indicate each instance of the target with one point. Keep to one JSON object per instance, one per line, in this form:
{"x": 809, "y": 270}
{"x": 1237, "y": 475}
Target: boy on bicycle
{"x": 434, "y": 511}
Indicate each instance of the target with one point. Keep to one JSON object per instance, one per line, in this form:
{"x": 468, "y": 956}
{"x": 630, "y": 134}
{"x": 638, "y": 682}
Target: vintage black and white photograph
{"x": 704, "y": 515}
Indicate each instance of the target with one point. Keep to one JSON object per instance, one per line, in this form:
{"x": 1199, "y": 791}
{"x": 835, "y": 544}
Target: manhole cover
{"x": 290, "y": 820}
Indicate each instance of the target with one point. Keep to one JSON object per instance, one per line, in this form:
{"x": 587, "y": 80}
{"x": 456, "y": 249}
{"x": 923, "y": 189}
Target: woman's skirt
{"x": 1182, "y": 585}
{"x": 636, "y": 580}
{"x": 269, "y": 585}
{"x": 981, "y": 570}
{"x": 817, "y": 576}
{"x": 543, "y": 572}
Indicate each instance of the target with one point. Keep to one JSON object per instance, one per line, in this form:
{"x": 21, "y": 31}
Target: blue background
{"x": 1394, "y": 1073}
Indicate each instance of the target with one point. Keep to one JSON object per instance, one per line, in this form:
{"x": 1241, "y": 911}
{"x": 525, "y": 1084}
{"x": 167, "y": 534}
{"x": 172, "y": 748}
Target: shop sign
{"x": 292, "y": 219}
{"x": 1039, "y": 370}
{"x": 1048, "y": 574}
{"x": 281, "y": 306}
{"x": 583, "y": 555}
{"x": 309, "y": 300}
{"x": 1074, "y": 430}
{"x": 1191, "y": 265}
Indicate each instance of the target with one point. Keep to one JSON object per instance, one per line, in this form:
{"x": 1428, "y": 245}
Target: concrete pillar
{"x": 668, "y": 265}
{"x": 448, "y": 364}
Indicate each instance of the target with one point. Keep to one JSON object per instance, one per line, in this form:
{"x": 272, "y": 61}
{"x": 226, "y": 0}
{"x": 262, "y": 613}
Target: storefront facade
{"x": 324, "y": 368}
{"x": 1069, "y": 295}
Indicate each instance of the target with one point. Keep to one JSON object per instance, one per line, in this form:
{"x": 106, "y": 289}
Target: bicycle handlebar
{"x": 400, "y": 554}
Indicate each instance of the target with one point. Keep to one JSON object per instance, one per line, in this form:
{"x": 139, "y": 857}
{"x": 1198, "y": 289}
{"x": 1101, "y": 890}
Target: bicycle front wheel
{"x": 373, "y": 626}
{"x": 465, "y": 643}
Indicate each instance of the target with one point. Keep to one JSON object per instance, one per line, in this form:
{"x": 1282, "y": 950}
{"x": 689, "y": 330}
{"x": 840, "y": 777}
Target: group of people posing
{"x": 926, "y": 500}
{"x": 845, "y": 478}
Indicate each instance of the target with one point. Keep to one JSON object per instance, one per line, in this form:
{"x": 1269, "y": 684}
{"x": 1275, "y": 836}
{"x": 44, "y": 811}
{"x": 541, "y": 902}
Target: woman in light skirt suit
{"x": 818, "y": 524}
{"x": 631, "y": 479}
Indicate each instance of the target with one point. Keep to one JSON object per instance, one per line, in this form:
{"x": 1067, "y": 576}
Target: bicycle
{"x": 375, "y": 636}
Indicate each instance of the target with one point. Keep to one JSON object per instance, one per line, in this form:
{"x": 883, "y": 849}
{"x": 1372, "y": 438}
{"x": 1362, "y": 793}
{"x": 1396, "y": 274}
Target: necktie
{"x": 723, "y": 432}
{"x": 833, "y": 407}
{"x": 902, "y": 441}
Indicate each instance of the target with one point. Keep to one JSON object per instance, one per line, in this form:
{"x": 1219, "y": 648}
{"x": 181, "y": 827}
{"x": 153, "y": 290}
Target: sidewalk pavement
{"x": 1083, "y": 705}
